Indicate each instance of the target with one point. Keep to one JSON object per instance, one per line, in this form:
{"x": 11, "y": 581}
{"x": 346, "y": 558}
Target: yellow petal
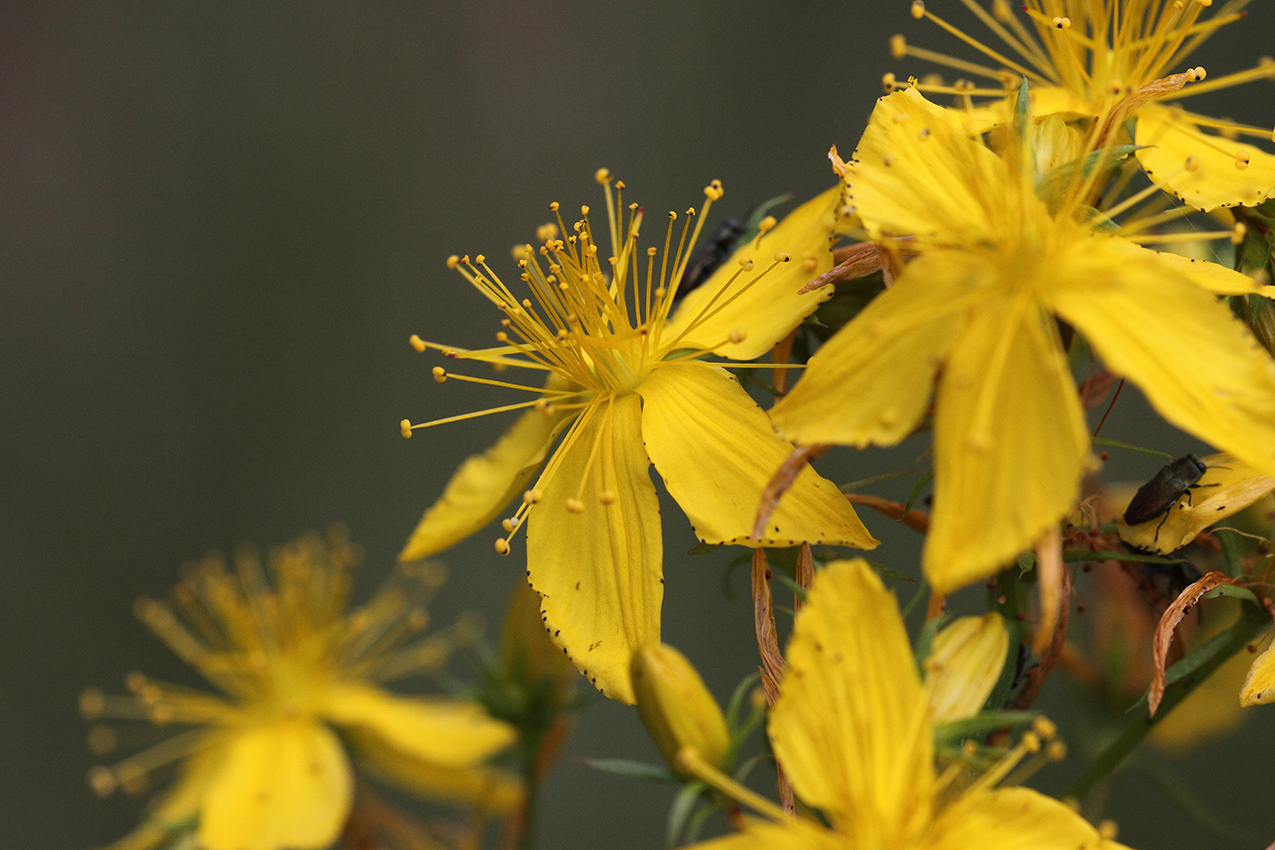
{"x": 483, "y": 485}
{"x": 1215, "y": 278}
{"x": 1227, "y": 487}
{"x": 770, "y": 308}
{"x": 851, "y": 724}
{"x": 677, "y": 708}
{"x": 1009, "y": 443}
{"x": 872, "y": 381}
{"x": 445, "y": 732}
{"x": 964, "y": 665}
{"x": 716, "y": 451}
{"x": 1012, "y": 819}
{"x": 1259, "y": 685}
{"x": 797, "y": 834}
{"x": 489, "y": 789}
{"x": 1215, "y": 181}
{"x": 1197, "y": 364}
{"x": 178, "y": 808}
{"x": 282, "y": 786}
{"x": 916, "y": 173}
{"x": 599, "y": 571}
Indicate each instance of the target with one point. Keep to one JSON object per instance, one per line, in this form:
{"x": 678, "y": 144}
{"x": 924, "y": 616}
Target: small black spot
{"x": 577, "y": 585}
{"x": 556, "y": 633}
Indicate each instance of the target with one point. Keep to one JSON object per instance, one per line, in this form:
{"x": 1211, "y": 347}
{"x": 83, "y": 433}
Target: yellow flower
{"x": 1112, "y": 60}
{"x": 262, "y": 766}
{"x": 626, "y": 385}
{"x": 974, "y": 315}
{"x": 853, "y": 731}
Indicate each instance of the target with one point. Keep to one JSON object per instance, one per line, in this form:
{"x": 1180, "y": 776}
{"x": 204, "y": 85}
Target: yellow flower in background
{"x": 973, "y": 320}
{"x": 264, "y": 765}
{"x": 853, "y": 731}
{"x": 1112, "y": 60}
{"x": 626, "y": 387}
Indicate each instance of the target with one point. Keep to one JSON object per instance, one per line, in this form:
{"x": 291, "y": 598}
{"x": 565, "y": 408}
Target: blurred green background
{"x": 220, "y": 224}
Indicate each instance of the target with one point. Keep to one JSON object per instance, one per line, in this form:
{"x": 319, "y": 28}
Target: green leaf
{"x": 633, "y": 769}
{"x": 876, "y": 479}
{"x": 980, "y": 725}
{"x": 916, "y": 490}
{"x": 683, "y": 805}
{"x": 703, "y": 548}
{"x": 1233, "y": 592}
{"x": 1105, "y": 443}
{"x": 1026, "y": 562}
{"x": 1115, "y": 555}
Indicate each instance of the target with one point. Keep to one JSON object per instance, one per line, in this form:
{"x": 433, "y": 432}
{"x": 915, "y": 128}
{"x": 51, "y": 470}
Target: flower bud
{"x": 675, "y": 707}
{"x": 964, "y": 665}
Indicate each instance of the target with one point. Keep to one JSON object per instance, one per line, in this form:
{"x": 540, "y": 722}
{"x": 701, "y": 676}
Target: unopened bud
{"x": 964, "y": 665}
{"x": 676, "y": 707}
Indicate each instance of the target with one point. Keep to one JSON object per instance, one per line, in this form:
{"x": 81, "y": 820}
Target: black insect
{"x": 1161, "y": 493}
{"x": 723, "y": 243}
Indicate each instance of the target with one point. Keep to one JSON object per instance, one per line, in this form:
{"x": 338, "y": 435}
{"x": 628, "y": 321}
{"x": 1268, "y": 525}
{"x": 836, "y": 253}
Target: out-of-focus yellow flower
{"x": 972, "y": 319}
{"x": 627, "y": 385}
{"x": 1112, "y": 60}
{"x": 675, "y": 706}
{"x": 853, "y": 731}
{"x": 261, "y": 766}
{"x": 965, "y": 662}
{"x": 1227, "y": 487}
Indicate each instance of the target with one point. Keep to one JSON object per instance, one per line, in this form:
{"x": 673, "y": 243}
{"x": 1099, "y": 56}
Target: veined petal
{"x": 444, "y": 732}
{"x": 770, "y": 308}
{"x": 871, "y": 382}
{"x": 716, "y": 451}
{"x": 1215, "y": 181}
{"x": 796, "y": 834}
{"x": 851, "y": 725}
{"x": 916, "y": 173}
{"x": 282, "y": 786}
{"x": 964, "y": 665}
{"x": 484, "y": 484}
{"x": 1009, "y": 442}
{"x": 490, "y": 789}
{"x": 1198, "y": 365}
{"x": 600, "y": 571}
{"x": 1012, "y": 819}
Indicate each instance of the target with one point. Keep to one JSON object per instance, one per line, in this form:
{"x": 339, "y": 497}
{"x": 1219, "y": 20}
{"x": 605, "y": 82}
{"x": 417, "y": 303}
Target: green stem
{"x": 1191, "y": 671}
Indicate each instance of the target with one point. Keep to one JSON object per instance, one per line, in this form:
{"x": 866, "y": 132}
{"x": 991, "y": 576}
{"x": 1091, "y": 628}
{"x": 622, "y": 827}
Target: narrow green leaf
{"x": 683, "y": 805}
{"x": 632, "y": 769}
{"x": 1105, "y": 443}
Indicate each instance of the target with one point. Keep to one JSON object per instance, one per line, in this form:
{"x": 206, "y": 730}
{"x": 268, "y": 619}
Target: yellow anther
{"x": 508, "y": 525}
{"x": 92, "y": 703}
{"x": 102, "y": 781}
{"x": 738, "y": 335}
{"x": 464, "y": 261}
{"x": 530, "y": 497}
{"x": 553, "y": 207}
{"x": 1031, "y": 742}
{"x": 607, "y": 497}
{"x": 440, "y": 374}
{"x": 1056, "y": 751}
{"x": 766, "y": 224}
{"x": 502, "y": 546}
{"x": 1108, "y": 830}
{"x": 545, "y": 232}
{"x": 918, "y": 9}
{"x": 1241, "y": 160}
{"x": 889, "y": 82}
{"x": 1238, "y": 232}
{"x": 1045, "y": 728}
{"x": 584, "y": 209}
{"x": 501, "y": 336}
{"x": 574, "y": 506}
{"x": 603, "y": 176}
{"x": 746, "y": 263}
{"x": 899, "y": 44}
{"x": 453, "y": 261}
{"x": 480, "y": 259}
{"x": 781, "y": 257}
{"x": 652, "y": 251}
{"x": 1062, "y": 23}
{"x": 405, "y": 427}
